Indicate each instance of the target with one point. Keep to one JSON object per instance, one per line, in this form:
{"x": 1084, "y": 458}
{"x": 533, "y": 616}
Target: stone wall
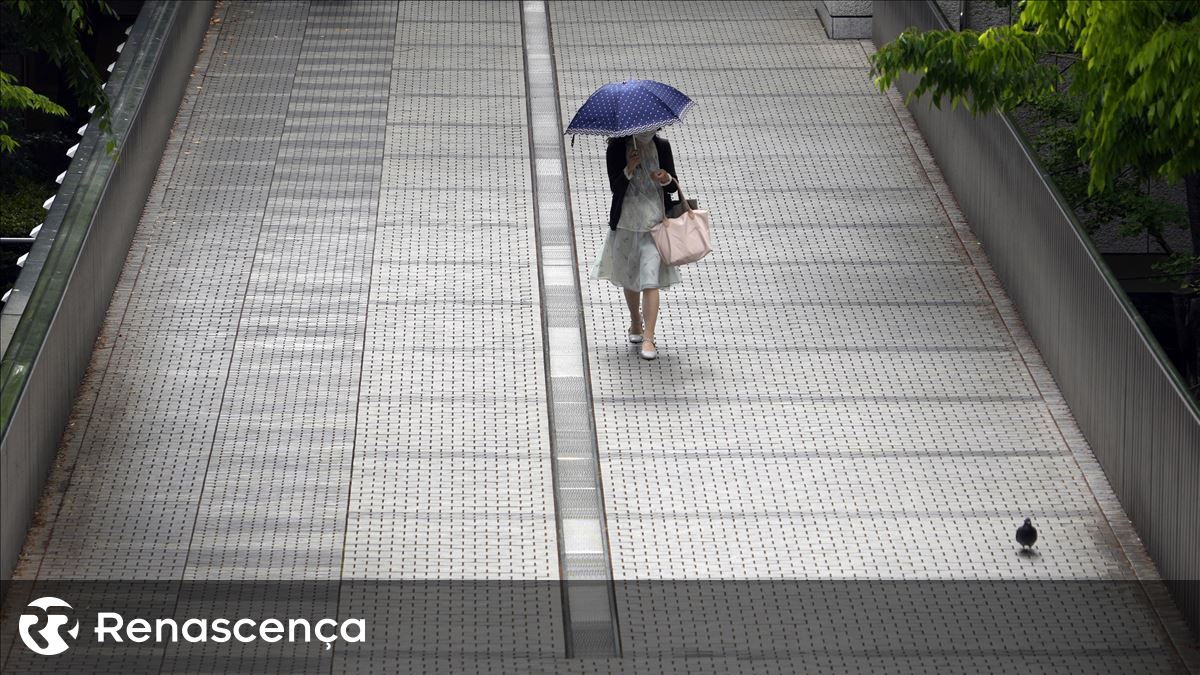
{"x": 846, "y": 19}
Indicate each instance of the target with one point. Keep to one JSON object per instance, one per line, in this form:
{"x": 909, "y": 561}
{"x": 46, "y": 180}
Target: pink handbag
{"x": 684, "y": 239}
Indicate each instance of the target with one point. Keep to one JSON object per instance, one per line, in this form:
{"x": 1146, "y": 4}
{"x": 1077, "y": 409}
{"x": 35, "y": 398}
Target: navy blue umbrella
{"x": 628, "y": 108}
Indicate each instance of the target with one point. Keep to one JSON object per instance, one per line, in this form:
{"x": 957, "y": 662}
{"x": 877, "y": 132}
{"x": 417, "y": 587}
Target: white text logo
{"x": 111, "y": 626}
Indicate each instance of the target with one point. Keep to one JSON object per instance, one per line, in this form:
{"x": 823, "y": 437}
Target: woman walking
{"x": 641, "y": 172}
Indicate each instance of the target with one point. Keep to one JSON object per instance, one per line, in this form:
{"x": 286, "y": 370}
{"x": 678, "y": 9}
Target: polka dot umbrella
{"x": 628, "y": 108}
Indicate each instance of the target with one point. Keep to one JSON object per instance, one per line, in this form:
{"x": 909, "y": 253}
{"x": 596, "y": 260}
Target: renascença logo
{"x": 111, "y": 625}
{"x": 45, "y": 624}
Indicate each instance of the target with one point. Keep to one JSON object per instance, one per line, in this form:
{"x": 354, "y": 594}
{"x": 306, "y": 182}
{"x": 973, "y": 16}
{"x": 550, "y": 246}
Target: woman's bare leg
{"x": 650, "y": 312}
{"x": 635, "y": 313}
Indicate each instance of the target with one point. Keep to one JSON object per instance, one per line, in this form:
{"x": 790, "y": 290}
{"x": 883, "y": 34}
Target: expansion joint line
{"x": 589, "y": 602}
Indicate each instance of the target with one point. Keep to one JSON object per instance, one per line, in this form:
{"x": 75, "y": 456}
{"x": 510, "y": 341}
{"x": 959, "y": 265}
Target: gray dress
{"x": 629, "y": 258}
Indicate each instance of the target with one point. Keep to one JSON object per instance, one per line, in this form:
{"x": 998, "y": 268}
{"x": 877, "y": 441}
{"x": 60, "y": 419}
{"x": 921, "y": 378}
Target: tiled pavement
{"x": 325, "y": 357}
{"x": 837, "y": 365}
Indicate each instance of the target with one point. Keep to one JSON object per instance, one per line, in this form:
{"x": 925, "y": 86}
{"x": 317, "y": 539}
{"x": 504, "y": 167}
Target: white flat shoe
{"x": 635, "y": 338}
{"x": 648, "y": 354}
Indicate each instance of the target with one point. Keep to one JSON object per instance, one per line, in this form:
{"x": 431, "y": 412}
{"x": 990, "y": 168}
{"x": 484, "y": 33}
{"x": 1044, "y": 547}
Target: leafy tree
{"x": 51, "y": 27}
{"x": 1135, "y": 69}
{"x": 1134, "y": 79}
{"x": 16, "y": 97}
{"x": 1125, "y": 204}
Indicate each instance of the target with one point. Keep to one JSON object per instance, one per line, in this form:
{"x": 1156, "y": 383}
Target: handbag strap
{"x": 682, "y": 197}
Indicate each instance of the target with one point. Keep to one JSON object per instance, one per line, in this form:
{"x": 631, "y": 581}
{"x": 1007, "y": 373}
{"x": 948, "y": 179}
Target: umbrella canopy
{"x": 628, "y": 108}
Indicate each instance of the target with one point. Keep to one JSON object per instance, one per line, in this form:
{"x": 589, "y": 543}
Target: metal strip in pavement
{"x": 589, "y": 603}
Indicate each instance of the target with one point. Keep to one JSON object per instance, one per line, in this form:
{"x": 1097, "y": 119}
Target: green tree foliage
{"x": 1125, "y": 204}
{"x": 51, "y": 27}
{"x": 1133, "y": 99}
{"x": 1139, "y": 78}
{"x": 16, "y": 97}
{"x": 1137, "y": 75}
{"x": 996, "y": 69}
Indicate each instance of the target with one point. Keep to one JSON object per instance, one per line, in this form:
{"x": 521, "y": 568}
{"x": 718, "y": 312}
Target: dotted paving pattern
{"x": 837, "y": 396}
{"x": 324, "y": 358}
{"x": 452, "y": 474}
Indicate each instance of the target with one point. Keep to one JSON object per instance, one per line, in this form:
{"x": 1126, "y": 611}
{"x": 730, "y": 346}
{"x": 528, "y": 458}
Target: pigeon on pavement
{"x": 1026, "y": 535}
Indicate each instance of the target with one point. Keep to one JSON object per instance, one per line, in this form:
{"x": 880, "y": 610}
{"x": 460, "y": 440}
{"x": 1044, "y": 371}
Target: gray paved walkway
{"x": 325, "y": 357}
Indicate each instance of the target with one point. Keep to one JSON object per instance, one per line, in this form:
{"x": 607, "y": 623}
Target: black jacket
{"x": 615, "y": 157}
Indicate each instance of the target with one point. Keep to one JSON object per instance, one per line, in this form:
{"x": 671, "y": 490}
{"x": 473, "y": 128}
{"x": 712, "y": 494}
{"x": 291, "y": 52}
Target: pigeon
{"x": 1026, "y": 535}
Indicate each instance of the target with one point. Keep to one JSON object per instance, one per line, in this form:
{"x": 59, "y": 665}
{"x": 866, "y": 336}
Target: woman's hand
{"x": 661, "y": 177}
{"x": 635, "y": 158}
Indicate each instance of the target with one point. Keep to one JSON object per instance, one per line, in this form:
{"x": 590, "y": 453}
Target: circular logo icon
{"x": 45, "y": 626}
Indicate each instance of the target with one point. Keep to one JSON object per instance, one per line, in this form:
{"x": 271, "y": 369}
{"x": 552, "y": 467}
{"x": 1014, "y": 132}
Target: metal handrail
{"x": 57, "y": 306}
{"x": 39, "y": 288}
